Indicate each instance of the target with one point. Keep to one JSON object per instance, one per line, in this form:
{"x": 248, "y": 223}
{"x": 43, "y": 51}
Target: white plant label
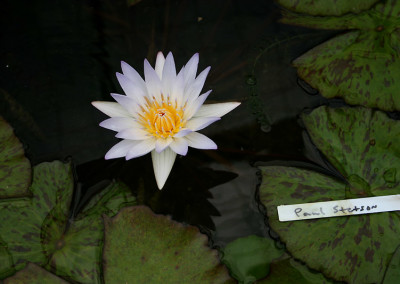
{"x": 339, "y": 208}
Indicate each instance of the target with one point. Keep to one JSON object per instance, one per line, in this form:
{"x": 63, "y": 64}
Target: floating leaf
{"x": 76, "y": 251}
{"x": 361, "y": 144}
{"x": 327, "y": 7}
{"x": 6, "y": 261}
{"x": 34, "y": 274}
{"x": 15, "y": 171}
{"x": 292, "y": 271}
{"x": 151, "y": 248}
{"x": 248, "y": 258}
{"x": 361, "y": 66}
{"x": 392, "y": 274}
{"x": 38, "y": 229}
{"x": 21, "y": 219}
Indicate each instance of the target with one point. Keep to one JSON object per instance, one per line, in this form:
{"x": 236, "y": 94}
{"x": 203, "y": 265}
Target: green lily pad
{"x": 392, "y": 274}
{"x": 15, "y": 171}
{"x": 356, "y": 67}
{"x": 76, "y": 252}
{"x": 289, "y": 270}
{"x": 38, "y": 229}
{"x": 248, "y": 258}
{"x": 327, "y": 7}
{"x": 382, "y": 19}
{"x": 6, "y": 261}
{"x": 361, "y": 66}
{"x": 143, "y": 247}
{"x": 34, "y": 274}
{"x": 361, "y": 144}
{"x": 21, "y": 219}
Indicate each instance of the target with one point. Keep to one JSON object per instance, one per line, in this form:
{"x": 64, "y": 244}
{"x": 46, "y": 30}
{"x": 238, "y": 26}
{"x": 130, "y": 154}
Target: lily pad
{"x": 361, "y": 66}
{"x": 149, "y": 248}
{"x": 21, "y": 219}
{"x": 383, "y": 19}
{"x": 6, "y": 261}
{"x": 361, "y": 144}
{"x": 327, "y": 7}
{"x": 39, "y": 230}
{"x": 75, "y": 251}
{"x": 289, "y": 270}
{"x": 15, "y": 171}
{"x": 392, "y": 274}
{"x": 34, "y": 274}
{"x": 248, "y": 258}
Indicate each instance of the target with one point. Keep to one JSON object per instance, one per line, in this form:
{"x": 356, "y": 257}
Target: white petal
{"x": 161, "y": 144}
{"x": 169, "y": 74}
{"x": 111, "y": 109}
{"x": 160, "y": 64}
{"x": 127, "y": 103}
{"x": 153, "y": 82}
{"x": 162, "y": 165}
{"x": 200, "y": 141}
{"x": 178, "y": 89}
{"x": 191, "y": 69}
{"x": 133, "y": 134}
{"x": 216, "y": 110}
{"x": 132, "y": 90}
{"x": 119, "y": 123}
{"x": 194, "y": 89}
{"x": 198, "y": 123}
{"x": 183, "y": 132}
{"x": 179, "y": 146}
{"x": 120, "y": 149}
{"x": 194, "y": 106}
{"x": 133, "y": 75}
{"x": 141, "y": 148}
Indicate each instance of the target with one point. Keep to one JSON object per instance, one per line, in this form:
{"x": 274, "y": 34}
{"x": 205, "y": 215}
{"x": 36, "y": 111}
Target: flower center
{"x": 162, "y": 120}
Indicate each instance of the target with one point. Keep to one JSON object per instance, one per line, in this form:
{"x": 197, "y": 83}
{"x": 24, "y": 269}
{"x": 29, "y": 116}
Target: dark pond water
{"x": 58, "y": 56}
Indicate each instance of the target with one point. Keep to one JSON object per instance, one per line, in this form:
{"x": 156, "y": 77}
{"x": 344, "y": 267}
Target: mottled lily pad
{"x": 363, "y": 145}
{"x": 15, "y": 170}
{"x": 21, "y": 219}
{"x": 6, "y": 261}
{"x": 34, "y": 274}
{"x": 75, "y": 251}
{"x": 149, "y": 248}
{"x": 248, "y": 258}
{"x": 327, "y": 7}
{"x": 361, "y": 66}
{"x": 289, "y": 270}
{"x": 38, "y": 229}
{"x": 392, "y": 274}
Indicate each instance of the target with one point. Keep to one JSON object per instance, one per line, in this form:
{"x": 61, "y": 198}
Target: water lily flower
{"x": 161, "y": 114}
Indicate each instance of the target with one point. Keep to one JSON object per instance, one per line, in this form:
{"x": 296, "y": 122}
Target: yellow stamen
{"x": 162, "y": 120}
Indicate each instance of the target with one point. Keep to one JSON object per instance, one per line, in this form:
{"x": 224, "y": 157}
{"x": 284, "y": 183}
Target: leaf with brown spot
{"x": 34, "y": 274}
{"x": 15, "y": 168}
{"x": 326, "y": 7}
{"x": 21, "y": 219}
{"x": 152, "y": 248}
{"x": 361, "y": 66}
{"x": 288, "y": 270}
{"x": 75, "y": 252}
{"x": 354, "y": 249}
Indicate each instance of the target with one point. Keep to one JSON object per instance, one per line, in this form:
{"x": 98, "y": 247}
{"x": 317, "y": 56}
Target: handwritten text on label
{"x": 339, "y": 208}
